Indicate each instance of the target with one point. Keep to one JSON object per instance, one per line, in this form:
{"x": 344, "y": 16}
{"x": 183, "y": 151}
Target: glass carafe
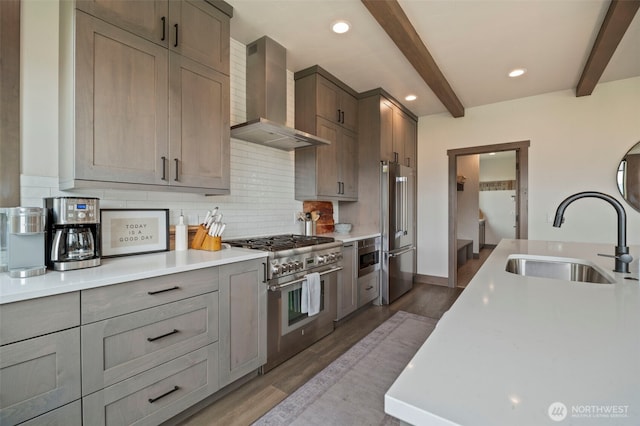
{"x": 80, "y": 244}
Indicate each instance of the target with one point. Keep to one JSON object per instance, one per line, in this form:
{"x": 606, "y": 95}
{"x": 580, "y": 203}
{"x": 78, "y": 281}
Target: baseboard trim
{"x": 432, "y": 279}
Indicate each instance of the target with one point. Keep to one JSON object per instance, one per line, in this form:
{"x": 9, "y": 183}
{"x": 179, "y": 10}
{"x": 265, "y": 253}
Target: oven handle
{"x": 280, "y": 287}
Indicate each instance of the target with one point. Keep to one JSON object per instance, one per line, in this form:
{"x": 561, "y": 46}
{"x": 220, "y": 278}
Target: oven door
{"x": 289, "y": 331}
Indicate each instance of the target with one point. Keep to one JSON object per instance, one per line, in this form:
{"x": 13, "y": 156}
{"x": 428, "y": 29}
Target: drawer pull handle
{"x": 153, "y": 339}
{"x": 369, "y": 288}
{"x": 175, "y": 388}
{"x": 151, "y": 293}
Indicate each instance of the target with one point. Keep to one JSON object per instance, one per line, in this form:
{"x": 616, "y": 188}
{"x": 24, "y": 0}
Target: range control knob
{"x": 275, "y": 269}
{"x": 297, "y": 265}
{"x": 332, "y": 257}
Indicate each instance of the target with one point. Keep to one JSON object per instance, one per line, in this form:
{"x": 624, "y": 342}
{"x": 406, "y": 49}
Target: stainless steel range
{"x": 291, "y": 258}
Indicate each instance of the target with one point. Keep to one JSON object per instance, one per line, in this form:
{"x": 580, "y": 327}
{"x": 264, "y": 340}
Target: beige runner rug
{"x": 350, "y": 391}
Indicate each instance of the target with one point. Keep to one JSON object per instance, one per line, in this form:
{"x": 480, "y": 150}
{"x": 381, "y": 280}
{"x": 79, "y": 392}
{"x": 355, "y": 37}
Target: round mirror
{"x": 629, "y": 177}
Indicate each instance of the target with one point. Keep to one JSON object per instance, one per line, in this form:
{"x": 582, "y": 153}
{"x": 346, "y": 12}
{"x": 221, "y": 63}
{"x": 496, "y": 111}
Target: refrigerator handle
{"x": 400, "y": 253}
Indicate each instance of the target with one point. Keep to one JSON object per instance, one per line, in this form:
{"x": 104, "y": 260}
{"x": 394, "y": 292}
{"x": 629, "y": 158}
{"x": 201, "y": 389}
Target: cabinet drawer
{"x": 35, "y": 317}
{"x": 38, "y": 375}
{"x": 68, "y": 415}
{"x": 368, "y": 288}
{"x": 158, "y": 394}
{"x": 110, "y": 301}
{"x": 117, "y": 348}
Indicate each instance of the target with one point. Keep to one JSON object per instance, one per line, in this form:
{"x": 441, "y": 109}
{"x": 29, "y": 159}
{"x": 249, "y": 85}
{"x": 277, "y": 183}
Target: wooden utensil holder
{"x": 211, "y": 243}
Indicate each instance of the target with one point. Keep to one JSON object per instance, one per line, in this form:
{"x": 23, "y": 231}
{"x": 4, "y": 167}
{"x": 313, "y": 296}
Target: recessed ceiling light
{"x": 492, "y": 153}
{"x": 340, "y": 27}
{"x": 517, "y": 72}
{"x": 410, "y": 98}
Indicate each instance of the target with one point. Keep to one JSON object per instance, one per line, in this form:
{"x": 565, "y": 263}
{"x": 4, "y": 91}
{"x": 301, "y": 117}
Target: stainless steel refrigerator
{"x": 398, "y": 230}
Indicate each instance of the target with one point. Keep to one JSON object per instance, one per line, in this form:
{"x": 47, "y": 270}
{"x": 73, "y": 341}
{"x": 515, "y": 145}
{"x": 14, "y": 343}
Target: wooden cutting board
{"x": 325, "y": 223}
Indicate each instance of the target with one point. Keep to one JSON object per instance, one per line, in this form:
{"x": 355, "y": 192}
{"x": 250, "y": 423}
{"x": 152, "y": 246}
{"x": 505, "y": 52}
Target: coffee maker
{"x": 73, "y": 233}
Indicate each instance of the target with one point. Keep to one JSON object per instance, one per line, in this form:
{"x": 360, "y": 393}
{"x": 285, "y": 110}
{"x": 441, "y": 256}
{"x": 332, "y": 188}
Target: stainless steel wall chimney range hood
{"x": 267, "y": 100}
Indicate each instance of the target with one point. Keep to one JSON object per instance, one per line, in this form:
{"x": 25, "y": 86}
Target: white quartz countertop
{"x": 354, "y": 235}
{"x": 118, "y": 270}
{"x": 511, "y": 346}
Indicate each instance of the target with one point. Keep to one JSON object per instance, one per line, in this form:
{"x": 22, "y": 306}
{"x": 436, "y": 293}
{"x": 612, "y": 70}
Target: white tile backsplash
{"x": 262, "y": 179}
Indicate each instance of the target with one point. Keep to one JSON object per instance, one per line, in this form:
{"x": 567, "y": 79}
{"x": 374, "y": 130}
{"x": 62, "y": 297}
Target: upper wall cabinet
{"x": 394, "y": 126}
{"x": 329, "y": 109}
{"x": 144, "y": 96}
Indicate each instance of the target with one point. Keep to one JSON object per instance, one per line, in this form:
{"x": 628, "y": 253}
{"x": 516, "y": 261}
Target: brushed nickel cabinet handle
{"x": 175, "y": 388}
{"x": 342, "y": 117}
{"x": 164, "y": 28}
{"x": 369, "y": 288}
{"x": 177, "y": 162}
{"x": 176, "y": 43}
{"x": 153, "y": 339}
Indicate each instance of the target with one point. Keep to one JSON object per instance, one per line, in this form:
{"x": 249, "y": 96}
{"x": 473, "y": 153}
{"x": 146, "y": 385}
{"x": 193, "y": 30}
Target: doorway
{"x": 457, "y": 181}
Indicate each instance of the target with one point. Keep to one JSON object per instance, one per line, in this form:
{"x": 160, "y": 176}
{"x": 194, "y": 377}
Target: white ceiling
{"x": 474, "y": 42}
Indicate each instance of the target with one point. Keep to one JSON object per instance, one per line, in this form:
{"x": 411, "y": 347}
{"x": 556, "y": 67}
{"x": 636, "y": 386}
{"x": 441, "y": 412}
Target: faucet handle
{"x": 624, "y": 258}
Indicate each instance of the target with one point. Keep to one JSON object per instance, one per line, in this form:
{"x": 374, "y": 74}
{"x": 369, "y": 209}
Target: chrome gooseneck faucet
{"x": 621, "y": 256}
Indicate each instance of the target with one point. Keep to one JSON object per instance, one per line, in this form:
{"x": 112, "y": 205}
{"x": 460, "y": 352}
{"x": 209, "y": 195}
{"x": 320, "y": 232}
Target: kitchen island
{"x": 518, "y": 350}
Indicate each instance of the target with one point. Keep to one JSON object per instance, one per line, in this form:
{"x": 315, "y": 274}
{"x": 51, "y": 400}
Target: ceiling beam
{"x": 394, "y": 21}
{"x": 616, "y": 22}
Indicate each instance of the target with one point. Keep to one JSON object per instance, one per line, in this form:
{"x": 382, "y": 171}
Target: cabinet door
{"x": 201, "y": 32}
{"x": 243, "y": 319}
{"x": 348, "y": 161}
{"x": 410, "y": 142}
{"x": 398, "y": 136}
{"x": 386, "y": 130}
{"x": 327, "y": 168}
{"x": 146, "y": 18}
{"x": 349, "y": 111}
{"x": 199, "y": 125}
{"x": 38, "y": 375}
{"x": 347, "y": 281}
{"x": 121, "y": 105}
{"x": 328, "y": 98}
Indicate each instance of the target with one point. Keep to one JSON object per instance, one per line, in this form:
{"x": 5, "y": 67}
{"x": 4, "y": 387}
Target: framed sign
{"x": 134, "y": 231}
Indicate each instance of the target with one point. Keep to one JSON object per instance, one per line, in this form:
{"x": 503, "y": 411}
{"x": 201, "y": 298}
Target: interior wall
{"x": 262, "y": 179}
{"x": 498, "y": 206}
{"x": 576, "y": 145}
{"x": 468, "y": 200}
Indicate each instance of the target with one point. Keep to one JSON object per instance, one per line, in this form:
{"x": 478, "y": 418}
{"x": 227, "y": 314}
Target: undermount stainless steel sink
{"x": 558, "y": 268}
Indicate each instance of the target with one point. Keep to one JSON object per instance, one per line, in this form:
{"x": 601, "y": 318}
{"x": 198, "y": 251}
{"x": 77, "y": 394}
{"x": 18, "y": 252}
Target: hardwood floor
{"x": 469, "y": 269}
{"x": 249, "y": 402}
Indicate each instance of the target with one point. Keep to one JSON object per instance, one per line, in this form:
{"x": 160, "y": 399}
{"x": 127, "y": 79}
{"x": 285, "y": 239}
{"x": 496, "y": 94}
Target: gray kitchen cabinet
{"x": 387, "y": 132}
{"x": 398, "y": 134}
{"x": 348, "y": 281}
{"x": 39, "y": 375}
{"x": 39, "y": 359}
{"x": 35, "y": 317}
{"x": 109, "y": 301}
{"x": 202, "y": 31}
{"x": 67, "y": 415}
{"x": 149, "y": 347}
{"x": 327, "y": 109}
{"x": 118, "y": 348}
{"x": 243, "y": 320}
{"x": 336, "y": 104}
{"x": 368, "y": 288}
{"x": 156, "y": 395}
{"x": 136, "y": 114}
